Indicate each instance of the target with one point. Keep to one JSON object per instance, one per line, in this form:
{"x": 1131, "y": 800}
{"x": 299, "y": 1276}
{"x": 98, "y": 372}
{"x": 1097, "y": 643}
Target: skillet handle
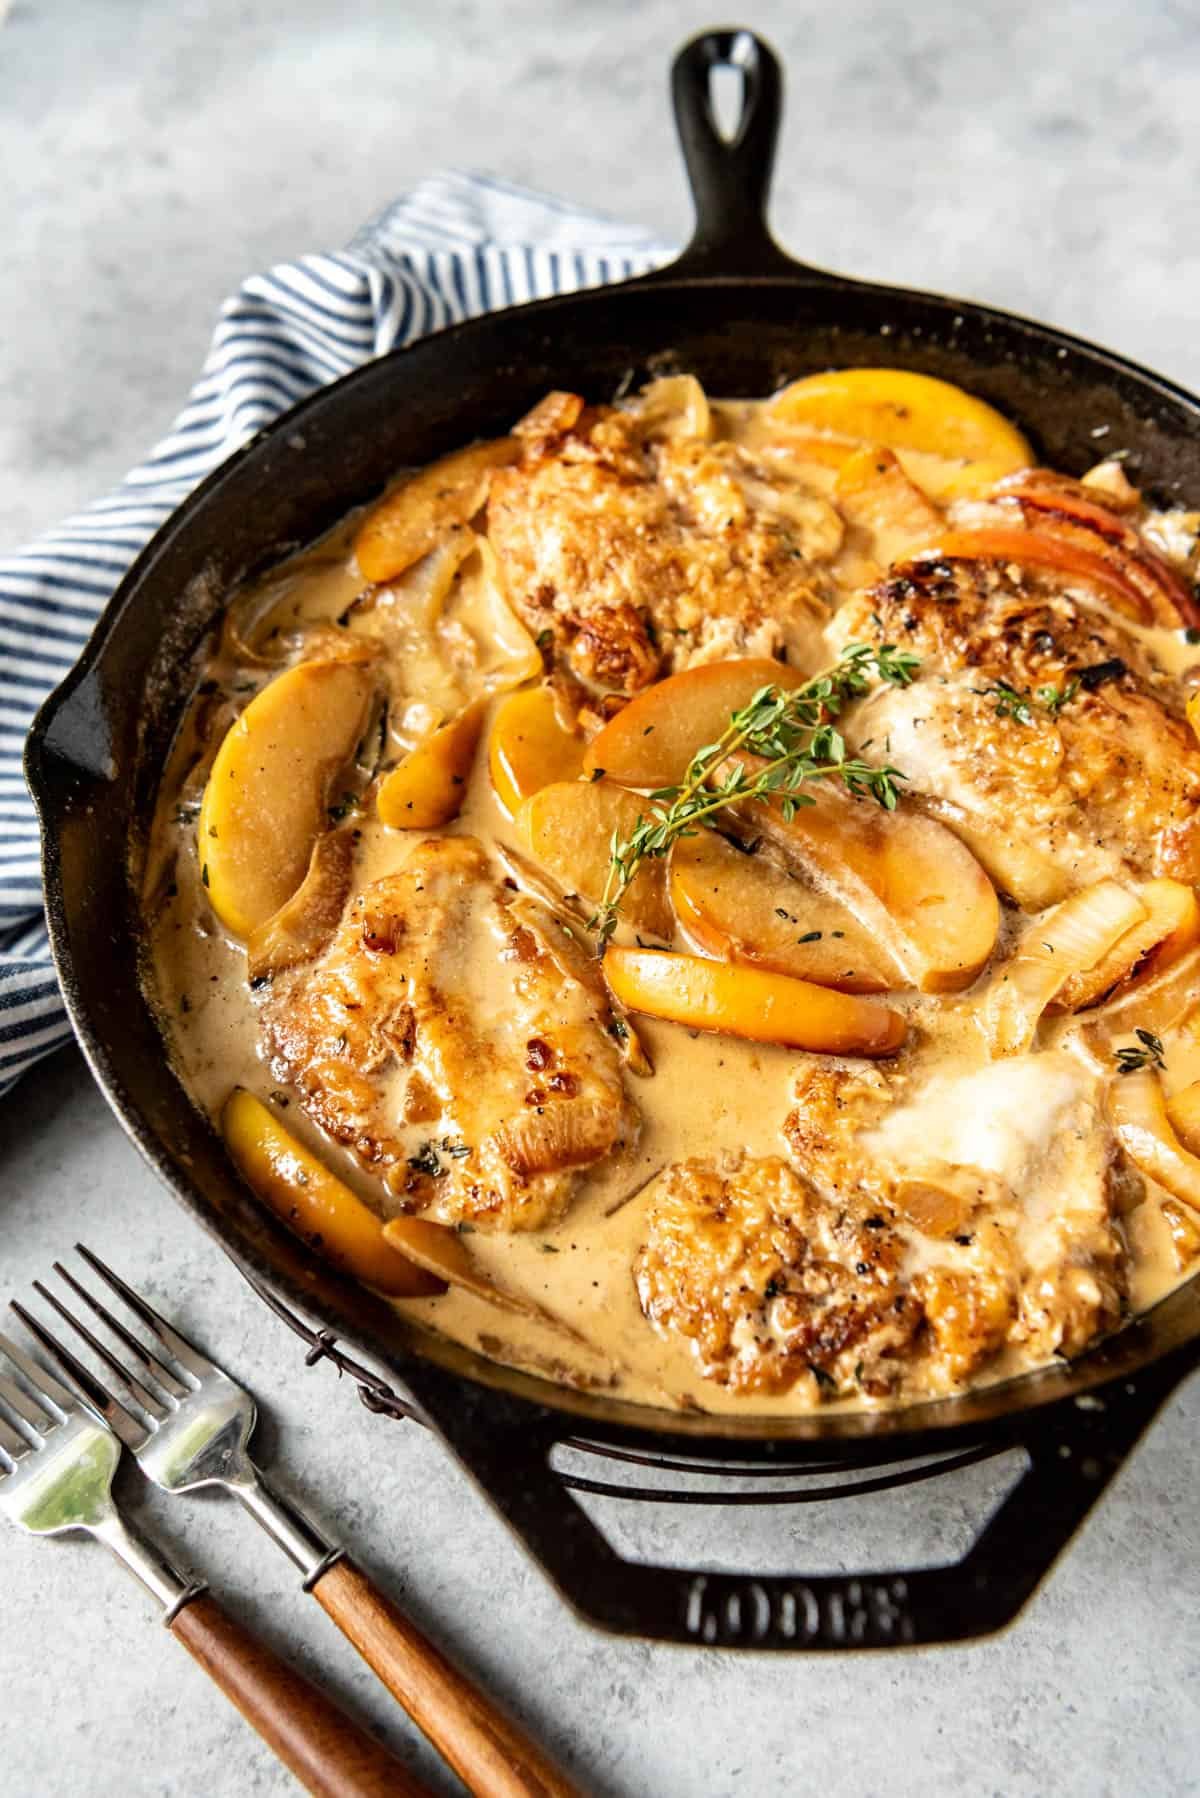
{"x": 730, "y": 179}
{"x": 1073, "y": 1449}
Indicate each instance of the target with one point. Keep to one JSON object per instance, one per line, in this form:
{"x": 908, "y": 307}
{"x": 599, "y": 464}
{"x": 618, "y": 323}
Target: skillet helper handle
{"x": 327, "y": 1751}
{"x": 730, "y": 178}
{"x": 1073, "y": 1450}
{"x": 491, "y": 1755}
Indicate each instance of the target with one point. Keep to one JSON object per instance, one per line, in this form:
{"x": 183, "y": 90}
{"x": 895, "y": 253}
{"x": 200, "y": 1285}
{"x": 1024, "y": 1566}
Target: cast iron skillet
{"x": 744, "y": 317}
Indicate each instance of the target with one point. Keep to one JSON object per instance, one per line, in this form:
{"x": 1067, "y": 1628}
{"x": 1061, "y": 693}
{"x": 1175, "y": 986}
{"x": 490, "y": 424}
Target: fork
{"x": 58, "y": 1477}
{"x": 189, "y": 1425}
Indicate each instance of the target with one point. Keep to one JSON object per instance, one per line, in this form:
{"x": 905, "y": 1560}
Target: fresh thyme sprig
{"x": 1012, "y": 703}
{"x": 1150, "y": 1055}
{"x": 791, "y": 731}
{"x": 1055, "y": 698}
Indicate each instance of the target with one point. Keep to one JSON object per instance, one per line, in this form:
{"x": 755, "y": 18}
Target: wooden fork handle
{"x": 491, "y": 1755}
{"x": 330, "y": 1754}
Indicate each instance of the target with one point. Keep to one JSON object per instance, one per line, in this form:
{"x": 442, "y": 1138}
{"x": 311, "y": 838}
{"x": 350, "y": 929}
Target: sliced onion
{"x": 572, "y": 960}
{"x": 1138, "y": 1113}
{"x": 427, "y": 583}
{"x": 934, "y": 1203}
{"x": 1074, "y": 936}
{"x": 514, "y": 656}
{"x": 563, "y": 1134}
{"x": 304, "y": 924}
{"x": 565, "y": 948}
{"x": 674, "y": 406}
{"x": 1171, "y": 926}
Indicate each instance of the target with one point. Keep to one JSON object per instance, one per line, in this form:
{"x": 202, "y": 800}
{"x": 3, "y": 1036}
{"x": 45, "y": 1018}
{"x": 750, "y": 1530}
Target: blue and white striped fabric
{"x": 457, "y": 246}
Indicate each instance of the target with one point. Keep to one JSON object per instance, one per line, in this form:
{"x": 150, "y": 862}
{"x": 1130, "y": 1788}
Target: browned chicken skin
{"x": 642, "y": 556}
{"x": 472, "y": 1101}
{"x": 977, "y": 1162}
{"x": 1103, "y": 781}
{"x": 769, "y": 1283}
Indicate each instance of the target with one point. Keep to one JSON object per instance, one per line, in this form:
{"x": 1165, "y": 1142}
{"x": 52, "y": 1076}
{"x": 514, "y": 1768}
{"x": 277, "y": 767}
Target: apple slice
{"x": 750, "y": 1002}
{"x": 741, "y": 908}
{"x": 652, "y": 740}
{"x": 1011, "y": 862}
{"x": 1183, "y": 1110}
{"x": 909, "y": 412}
{"x": 913, "y": 886}
{"x": 1062, "y": 507}
{"x": 428, "y": 786}
{"x": 1193, "y": 714}
{"x": 1135, "y": 589}
{"x": 267, "y": 795}
{"x": 875, "y": 495}
{"x": 314, "y": 1203}
{"x": 569, "y": 827}
{"x": 411, "y": 521}
{"x": 528, "y": 747}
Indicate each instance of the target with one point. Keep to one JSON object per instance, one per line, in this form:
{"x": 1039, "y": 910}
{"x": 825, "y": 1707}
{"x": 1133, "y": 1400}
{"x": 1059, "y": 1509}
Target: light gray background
{"x": 1044, "y": 158}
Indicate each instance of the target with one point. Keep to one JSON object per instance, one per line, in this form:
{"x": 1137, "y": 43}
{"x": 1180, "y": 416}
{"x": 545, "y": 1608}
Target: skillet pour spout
{"x": 742, "y": 316}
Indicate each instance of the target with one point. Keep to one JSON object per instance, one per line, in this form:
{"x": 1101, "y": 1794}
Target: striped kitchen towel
{"x": 457, "y": 246}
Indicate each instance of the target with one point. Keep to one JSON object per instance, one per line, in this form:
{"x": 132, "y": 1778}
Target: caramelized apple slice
{"x": 411, "y": 521}
{"x": 442, "y": 1252}
{"x": 1163, "y": 1001}
{"x": 874, "y": 494}
{"x": 528, "y": 747}
{"x": 750, "y": 1002}
{"x": 909, "y": 881}
{"x": 1077, "y": 557}
{"x": 268, "y": 791}
{"x": 314, "y": 1203}
{"x": 569, "y": 827}
{"x": 1062, "y": 507}
{"x": 428, "y": 787}
{"x": 651, "y": 740}
{"x": 741, "y": 908}
{"x": 1193, "y": 714}
{"x": 1183, "y": 1110}
{"x": 1011, "y": 862}
{"x": 1170, "y": 927}
{"x": 904, "y": 411}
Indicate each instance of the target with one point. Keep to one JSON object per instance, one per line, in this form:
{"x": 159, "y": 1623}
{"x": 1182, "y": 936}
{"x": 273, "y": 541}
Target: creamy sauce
{"x": 710, "y": 1094}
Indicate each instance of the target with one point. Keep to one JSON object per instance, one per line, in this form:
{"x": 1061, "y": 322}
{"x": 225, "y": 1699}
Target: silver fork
{"x": 57, "y": 1462}
{"x": 189, "y": 1425}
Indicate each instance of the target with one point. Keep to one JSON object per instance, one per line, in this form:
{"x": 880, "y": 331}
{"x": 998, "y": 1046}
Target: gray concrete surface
{"x": 1046, "y": 159}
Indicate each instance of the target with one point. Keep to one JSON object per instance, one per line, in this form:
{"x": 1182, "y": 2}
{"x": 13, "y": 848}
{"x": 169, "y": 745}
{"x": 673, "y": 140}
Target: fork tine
{"x": 20, "y": 1403}
{"x": 122, "y": 1422}
{"x": 40, "y": 1378}
{"x": 16, "y": 1400}
{"x": 12, "y": 1444}
{"x": 177, "y": 1346}
{"x": 141, "y": 1395}
{"x": 158, "y": 1370}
